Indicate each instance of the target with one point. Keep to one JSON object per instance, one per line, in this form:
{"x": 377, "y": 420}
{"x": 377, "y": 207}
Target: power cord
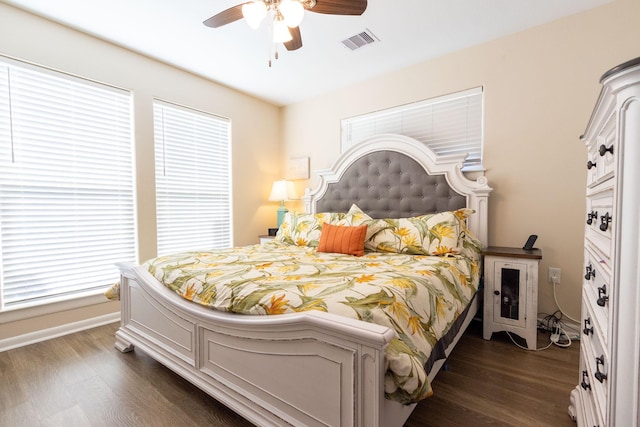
{"x": 556, "y": 337}
{"x": 526, "y": 348}
{"x": 555, "y": 324}
{"x": 550, "y": 323}
{"x": 555, "y": 298}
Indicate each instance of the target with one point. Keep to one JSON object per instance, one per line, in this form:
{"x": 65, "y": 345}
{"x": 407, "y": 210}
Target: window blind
{"x": 66, "y": 185}
{"x": 193, "y": 179}
{"x": 450, "y": 124}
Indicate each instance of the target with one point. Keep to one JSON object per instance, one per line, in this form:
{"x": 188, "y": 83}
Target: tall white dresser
{"x": 607, "y": 392}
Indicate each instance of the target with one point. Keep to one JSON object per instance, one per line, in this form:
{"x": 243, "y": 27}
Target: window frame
{"x": 91, "y": 293}
{"x": 210, "y": 125}
{"x": 423, "y": 121}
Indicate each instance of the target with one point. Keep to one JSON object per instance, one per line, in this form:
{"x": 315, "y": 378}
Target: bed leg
{"x": 123, "y": 345}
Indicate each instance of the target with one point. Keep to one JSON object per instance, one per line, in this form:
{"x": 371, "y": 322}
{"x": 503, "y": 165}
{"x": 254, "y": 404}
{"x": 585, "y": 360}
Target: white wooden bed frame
{"x": 311, "y": 368}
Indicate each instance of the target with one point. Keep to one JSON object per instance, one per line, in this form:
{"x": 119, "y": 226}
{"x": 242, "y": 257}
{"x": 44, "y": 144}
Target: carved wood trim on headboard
{"x": 394, "y": 176}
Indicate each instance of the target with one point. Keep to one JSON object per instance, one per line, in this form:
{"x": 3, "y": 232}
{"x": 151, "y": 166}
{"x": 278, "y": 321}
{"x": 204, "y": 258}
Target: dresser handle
{"x": 587, "y": 330}
{"x": 591, "y": 164}
{"x": 603, "y": 150}
{"x": 600, "y": 376}
{"x": 591, "y": 216}
{"x": 591, "y": 272}
{"x": 606, "y": 219}
{"x": 602, "y": 296}
{"x": 584, "y": 384}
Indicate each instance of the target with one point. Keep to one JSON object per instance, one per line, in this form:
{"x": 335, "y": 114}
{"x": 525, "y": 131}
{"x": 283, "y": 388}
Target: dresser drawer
{"x": 600, "y": 158}
{"x": 596, "y": 364}
{"x": 599, "y": 223}
{"x": 591, "y": 414}
{"x": 594, "y": 320}
{"x": 597, "y": 289}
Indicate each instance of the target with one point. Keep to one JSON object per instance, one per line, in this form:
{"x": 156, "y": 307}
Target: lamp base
{"x": 281, "y": 211}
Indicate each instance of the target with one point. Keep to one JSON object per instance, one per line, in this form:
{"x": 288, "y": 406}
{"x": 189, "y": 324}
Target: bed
{"x": 310, "y": 367}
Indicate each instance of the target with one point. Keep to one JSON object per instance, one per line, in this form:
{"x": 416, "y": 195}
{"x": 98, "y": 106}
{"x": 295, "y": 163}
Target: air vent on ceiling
{"x": 362, "y": 39}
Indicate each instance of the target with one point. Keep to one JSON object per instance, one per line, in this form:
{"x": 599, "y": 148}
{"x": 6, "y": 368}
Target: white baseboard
{"x": 58, "y": 331}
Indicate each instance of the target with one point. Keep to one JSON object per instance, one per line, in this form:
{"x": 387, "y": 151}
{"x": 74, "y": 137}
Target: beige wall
{"x": 255, "y": 128}
{"x": 540, "y": 86}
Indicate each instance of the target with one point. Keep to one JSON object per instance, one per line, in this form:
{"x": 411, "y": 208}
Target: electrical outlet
{"x": 554, "y": 275}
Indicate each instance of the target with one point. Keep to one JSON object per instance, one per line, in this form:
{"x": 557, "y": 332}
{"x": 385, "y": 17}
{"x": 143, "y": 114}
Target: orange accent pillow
{"x": 340, "y": 239}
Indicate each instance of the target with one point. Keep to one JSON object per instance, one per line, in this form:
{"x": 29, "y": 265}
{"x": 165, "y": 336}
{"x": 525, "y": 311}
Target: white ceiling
{"x": 410, "y": 31}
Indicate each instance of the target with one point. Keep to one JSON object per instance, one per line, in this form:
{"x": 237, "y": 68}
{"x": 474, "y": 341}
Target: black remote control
{"x": 530, "y": 241}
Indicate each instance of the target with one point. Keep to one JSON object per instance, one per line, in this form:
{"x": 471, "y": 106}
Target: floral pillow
{"x": 433, "y": 234}
{"x": 356, "y": 216}
{"x": 303, "y": 229}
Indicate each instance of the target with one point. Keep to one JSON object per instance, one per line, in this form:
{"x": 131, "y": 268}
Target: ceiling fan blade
{"x": 340, "y": 7}
{"x": 225, "y": 17}
{"x": 296, "y": 42}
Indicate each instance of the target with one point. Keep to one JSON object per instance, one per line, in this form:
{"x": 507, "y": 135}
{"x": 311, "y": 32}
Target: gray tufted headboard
{"x": 388, "y": 184}
{"x": 394, "y": 176}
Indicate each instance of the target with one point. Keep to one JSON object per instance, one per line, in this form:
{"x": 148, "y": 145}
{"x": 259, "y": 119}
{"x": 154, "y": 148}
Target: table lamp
{"x": 282, "y": 190}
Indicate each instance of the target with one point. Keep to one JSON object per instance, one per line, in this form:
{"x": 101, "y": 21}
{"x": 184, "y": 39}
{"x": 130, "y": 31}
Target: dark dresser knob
{"x": 605, "y": 220}
{"x": 591, "y": 272}
{"x": 584, "y": 384}
{"x": 587, "y": 330}
{"x": 602, "y": 296}
{"x": 600, "y": 376}
{"x": 603, "y": 150}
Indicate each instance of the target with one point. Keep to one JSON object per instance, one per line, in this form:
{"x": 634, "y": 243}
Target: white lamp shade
{"x": 281, "y": 32}
{"x": 254, "y": 13}
{"x": 283, "y": 190}
{"x": 292, "y": 11}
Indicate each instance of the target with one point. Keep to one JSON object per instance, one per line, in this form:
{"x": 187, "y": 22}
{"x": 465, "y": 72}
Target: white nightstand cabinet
{"x": 265, "y": 238}
{"x": 511, "y": 292}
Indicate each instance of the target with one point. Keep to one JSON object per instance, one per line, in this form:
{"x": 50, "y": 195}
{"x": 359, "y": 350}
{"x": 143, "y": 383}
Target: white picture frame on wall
{"x": 298, "y": 168}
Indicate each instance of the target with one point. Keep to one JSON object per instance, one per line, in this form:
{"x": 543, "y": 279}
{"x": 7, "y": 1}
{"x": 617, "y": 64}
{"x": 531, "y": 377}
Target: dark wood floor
{"x": 81, "y": 380}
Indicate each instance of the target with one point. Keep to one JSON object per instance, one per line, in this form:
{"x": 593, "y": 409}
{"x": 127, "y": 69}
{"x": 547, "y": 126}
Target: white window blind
{"x": 193, "y": 179}
{"x": 450, "y": 124}
{"x": 66, "y": 185}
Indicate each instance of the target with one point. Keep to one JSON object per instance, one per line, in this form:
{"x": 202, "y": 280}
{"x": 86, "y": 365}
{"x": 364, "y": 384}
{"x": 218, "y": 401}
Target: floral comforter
{"x": 417, "y": 296}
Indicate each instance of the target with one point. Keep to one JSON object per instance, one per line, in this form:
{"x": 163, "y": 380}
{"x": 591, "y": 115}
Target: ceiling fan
{"x": 287, "y": 15}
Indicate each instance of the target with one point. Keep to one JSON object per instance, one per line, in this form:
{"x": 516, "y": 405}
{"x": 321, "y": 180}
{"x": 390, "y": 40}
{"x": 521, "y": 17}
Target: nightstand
{"x": 265, "y": 238}
{"x": 511, "y": 292}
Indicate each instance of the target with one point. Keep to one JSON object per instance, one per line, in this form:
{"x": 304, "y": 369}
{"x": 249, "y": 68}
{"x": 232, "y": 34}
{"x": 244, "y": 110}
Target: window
{"x": 450, "y": 124}
{"x": 193, "y": 179}
{"x": 66, "y": 185}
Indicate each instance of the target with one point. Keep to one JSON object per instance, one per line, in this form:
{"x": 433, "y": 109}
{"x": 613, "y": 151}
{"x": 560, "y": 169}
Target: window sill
{"x": 21, "y": 313}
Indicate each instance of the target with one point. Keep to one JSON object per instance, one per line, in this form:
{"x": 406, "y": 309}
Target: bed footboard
{"x": 312, "y": 369}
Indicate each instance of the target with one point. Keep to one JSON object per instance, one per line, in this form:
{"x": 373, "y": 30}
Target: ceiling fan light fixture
{"x": 254, "y": 13}
{"x": 292, "y": 11}
{"x": 281, "y": 32}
